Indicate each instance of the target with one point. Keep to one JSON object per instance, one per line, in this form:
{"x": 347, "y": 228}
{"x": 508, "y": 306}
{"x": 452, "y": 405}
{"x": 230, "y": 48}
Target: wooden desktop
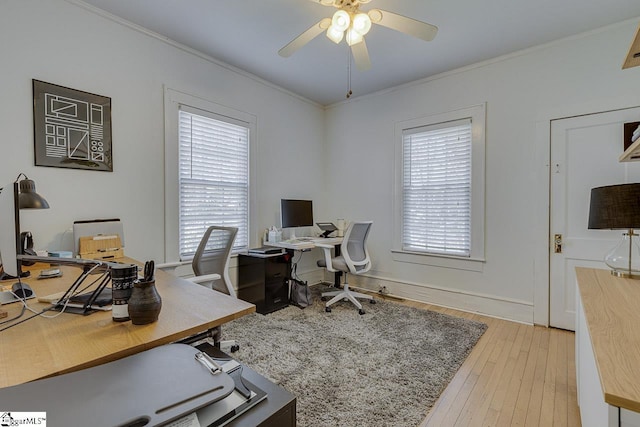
{"x": 40, "y": 347}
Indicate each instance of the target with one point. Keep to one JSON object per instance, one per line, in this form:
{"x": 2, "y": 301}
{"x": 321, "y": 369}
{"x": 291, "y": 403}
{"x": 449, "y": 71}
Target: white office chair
{"x": 210, "y": 263}
{"x": 353, "y": 258}
{"x": 213, "y": 256}
{"x": 210, "y": 266}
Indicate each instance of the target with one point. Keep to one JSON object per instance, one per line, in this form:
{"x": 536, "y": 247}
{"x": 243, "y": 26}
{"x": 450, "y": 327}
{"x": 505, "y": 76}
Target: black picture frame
{"x": 71, "y": 128}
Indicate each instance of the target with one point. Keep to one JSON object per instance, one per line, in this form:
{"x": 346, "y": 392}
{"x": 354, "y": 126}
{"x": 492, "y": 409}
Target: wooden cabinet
{"x": 263, "y": 281}
{"x": 607, "y": 328}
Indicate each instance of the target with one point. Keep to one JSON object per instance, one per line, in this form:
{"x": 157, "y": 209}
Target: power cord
{"x": 294, "y": 265}
{"x": 36, "y": 313}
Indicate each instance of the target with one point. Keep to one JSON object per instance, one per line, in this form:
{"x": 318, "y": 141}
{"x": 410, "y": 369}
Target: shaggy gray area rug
{"x": 384, "y": 368}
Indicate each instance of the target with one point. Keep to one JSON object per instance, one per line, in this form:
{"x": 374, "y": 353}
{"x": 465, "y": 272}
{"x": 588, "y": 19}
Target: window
{"x": 440, "y": 185}
{"x": 213, "y": 178}
{"x": 436, "y": 189}
{"x": 208, "y": 181}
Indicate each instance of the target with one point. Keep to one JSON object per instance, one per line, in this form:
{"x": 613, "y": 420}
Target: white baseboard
{"x": 502, "y": 308}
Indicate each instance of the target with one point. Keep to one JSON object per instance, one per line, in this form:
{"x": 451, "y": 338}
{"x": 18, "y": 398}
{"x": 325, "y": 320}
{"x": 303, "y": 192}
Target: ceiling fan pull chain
{"x": 349, "y": 93}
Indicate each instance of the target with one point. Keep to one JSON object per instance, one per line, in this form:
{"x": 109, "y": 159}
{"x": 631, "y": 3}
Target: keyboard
{"x": 328, "y": 240}
{"x": 298, "y": 240}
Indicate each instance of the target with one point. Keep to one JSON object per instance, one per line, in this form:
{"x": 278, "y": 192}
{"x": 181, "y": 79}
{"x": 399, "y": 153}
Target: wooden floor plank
{"x": 532, "y": 416}
{"x": 519, "y": 415}
{"x": 560, "y": 411}
{"x": 517, "y": 375}
{"x": 549, "y": 388}
{"x": 477, "y": 405}
{"x": 504, "y": 401}
{"x": 573, "y": 412}
{"x": 456, "y": 394}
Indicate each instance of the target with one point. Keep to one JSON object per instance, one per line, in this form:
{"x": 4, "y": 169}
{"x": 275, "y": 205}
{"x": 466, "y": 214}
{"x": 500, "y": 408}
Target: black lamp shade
{"x": 29, "y": 199}
{"x": 615, "y": 207}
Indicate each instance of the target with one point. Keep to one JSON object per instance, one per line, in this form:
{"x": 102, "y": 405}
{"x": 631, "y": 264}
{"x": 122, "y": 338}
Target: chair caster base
{"x": 327, "y": 309}
{"x": 234, "y": 348}
{"x": 324, "y": 298}
{"x": 361, "y": 311}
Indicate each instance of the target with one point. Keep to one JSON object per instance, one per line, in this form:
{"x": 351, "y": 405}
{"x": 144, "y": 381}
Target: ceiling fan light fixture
{"x": 341, "y": 20}
{"x": 361, "y": 23}
{"x": 353, "y": 37}
{"x": 334, "y": 34}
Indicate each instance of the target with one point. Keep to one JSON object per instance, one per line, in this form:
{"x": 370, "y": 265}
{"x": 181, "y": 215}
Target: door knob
{"x": 557, "y": 243}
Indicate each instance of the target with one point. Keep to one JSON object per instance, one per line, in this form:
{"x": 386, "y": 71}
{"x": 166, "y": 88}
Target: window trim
{"x": 173, "y": 99}
{"x": 477, "y": 114}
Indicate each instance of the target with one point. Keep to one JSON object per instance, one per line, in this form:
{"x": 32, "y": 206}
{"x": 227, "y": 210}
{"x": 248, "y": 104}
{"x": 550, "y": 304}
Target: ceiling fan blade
{"x": 361, "y": 55}
{"x": 410, "y": 26}
{"x": 305, "y": 38}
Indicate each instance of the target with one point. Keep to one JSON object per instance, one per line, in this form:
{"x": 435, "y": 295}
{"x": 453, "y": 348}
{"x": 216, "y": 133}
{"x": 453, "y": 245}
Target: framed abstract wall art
{"x": 72, "y": 129}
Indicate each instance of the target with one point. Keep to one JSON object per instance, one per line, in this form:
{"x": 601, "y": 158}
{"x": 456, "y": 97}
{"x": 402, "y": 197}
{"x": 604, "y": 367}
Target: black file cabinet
{"x": 263, "y": 281}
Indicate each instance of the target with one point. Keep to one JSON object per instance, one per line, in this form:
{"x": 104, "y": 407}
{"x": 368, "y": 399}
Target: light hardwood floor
{"x": 516, "y": 375}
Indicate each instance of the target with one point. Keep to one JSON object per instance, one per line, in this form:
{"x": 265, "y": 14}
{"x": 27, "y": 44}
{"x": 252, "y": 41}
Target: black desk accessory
{"x": 327, "y": 228}
{"x": 247, "y": 394}
{"x": 145, "y": 302}
{"x": 21, "y": 290}
{"x": 266, "y": 250}
{"x": 149, "y": 388}
{"x": 89, "y": 267}
{"x": 24, "y": 197}
{"x": 49, "y": 273}
{"x": 149, "y": 271}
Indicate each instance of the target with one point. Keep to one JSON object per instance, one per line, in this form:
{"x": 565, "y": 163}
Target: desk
{"x": 40, "y": 347}
{"x": 311, "y": 244}
{"x": 307, "y": 245}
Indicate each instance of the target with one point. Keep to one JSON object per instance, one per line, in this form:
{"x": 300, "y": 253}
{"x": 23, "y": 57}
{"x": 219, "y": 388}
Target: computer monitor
{"x": 296, "y": 213}
{"x": 8, "y": 237}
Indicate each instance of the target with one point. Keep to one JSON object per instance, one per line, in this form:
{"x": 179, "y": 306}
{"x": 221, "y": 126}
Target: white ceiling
{"x": 248, "y": 34}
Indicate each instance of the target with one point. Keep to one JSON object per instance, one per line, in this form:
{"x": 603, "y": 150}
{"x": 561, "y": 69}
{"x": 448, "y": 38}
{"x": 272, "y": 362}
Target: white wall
{"x": 62, "y": 43}
{"x": 523, "y": 92}
{"x": 65, "y": 44}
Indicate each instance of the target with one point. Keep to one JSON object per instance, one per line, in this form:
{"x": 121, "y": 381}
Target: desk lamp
{"x": 617, "y": 207}
{"x": 24, "y": 197}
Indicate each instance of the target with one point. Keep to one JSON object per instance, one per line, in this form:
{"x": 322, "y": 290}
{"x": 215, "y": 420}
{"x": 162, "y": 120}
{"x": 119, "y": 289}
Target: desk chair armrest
{"x": 170, "y": 265}
{"x": 195, "y": 279}
{"x": 204, "y": 278}
{"x": 207, "y": 279}
{"x": 323, "y": 245}
{"x": 326, "y": 249}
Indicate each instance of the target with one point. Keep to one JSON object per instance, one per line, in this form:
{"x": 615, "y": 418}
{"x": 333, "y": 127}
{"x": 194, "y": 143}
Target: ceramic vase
{"x": 145, "y": 303}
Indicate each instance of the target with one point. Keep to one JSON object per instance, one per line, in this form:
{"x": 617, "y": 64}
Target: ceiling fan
{"x": 353, "y": 24}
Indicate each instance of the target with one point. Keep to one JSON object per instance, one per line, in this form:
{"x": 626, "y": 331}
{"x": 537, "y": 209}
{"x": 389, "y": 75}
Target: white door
{"x": 584, "y": 155}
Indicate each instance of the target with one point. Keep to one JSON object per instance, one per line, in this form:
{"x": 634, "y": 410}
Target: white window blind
{"x": 213, "y": 178}
{"x": 436, "y": 189}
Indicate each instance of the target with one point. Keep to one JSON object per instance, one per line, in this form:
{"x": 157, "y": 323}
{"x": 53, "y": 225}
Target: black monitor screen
{"x": 296, "y": 213}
